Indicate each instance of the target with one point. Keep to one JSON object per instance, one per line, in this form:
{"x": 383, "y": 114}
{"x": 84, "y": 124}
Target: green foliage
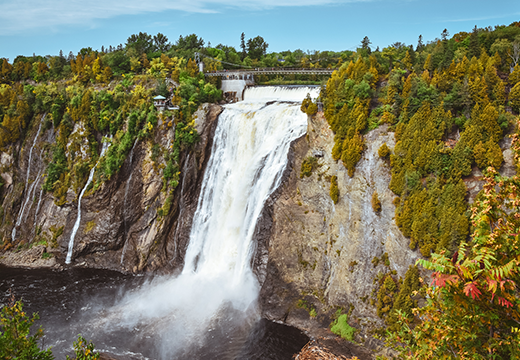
{"x": 84, "y": 350}
{"x": 514, "y": 97}
{"x": 341, "y": 328}
{"x": 384, "y": 151}
{"x": 334, "y": 190}
{"x": 309, "y": 164}
{"x": 56, "y": 168}
{"x": 15, "y": 341}
{"x": 473, "y": 307}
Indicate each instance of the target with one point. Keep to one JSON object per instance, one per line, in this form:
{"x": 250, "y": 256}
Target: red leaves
{"x": 504, "y": 302}
{"x": 440, "y": 280}
{"x": 470, "y": 289}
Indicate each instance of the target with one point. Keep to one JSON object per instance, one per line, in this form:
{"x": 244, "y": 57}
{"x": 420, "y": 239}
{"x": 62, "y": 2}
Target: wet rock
{"x": 120, "y": 227}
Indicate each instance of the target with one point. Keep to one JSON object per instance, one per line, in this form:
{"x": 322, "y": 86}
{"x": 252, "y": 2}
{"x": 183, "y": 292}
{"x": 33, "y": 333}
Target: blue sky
{"x": 46, "y": 26}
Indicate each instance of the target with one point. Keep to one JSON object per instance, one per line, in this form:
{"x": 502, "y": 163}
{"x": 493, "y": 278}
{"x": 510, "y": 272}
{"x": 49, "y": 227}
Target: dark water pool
{"x": 68, "y": 300}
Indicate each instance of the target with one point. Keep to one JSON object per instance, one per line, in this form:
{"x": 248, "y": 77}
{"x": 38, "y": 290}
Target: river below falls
{"x": 67, "y": 302}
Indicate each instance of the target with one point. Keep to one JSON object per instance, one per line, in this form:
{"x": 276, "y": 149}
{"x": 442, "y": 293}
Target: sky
{"x": 45, "y": 27}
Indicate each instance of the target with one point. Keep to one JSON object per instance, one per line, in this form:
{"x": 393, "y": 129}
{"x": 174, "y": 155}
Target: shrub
{"x": 376, "y": 203}
{"x": 384, "y": 151}
{"x": 84, "y": 350}
{"x": 334, "y": 191}
{"x": 309, "y": 164}
{"x": 15, "y": 342}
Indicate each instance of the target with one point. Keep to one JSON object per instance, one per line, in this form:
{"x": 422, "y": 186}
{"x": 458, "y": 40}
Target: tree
{"x": 473, "y": 48}
{"x": 420, "y": 44}
{"x": 473, "y": 307}
{"x": 365, "y": 44}
{"x": 514, "y": 97}
{"x": 445, "y": 34}
{"x": 514, "y": 54}
{"x": 5, "y": 71}
{"x": 243, "y": 46}
{"x": 142, "y": 42}
{"x": 256, "y": 47}
{"x": 161, "y": 42}
{"x": 15, "y": 342}
{"x": 190, "y": 42}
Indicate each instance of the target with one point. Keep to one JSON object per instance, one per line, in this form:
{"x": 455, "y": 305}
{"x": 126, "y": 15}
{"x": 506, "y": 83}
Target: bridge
{"x": 234, "y": 82}
{"x": 242, "y": 74}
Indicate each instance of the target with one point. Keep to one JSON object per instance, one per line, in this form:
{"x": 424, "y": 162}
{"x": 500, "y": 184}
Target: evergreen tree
{"x": 420, "y": 44}
{"x": 474, "y": 47}
{"x": 243, "y": 46}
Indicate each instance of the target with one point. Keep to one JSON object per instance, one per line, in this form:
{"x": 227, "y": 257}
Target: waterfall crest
{"x": 248, "y": 158}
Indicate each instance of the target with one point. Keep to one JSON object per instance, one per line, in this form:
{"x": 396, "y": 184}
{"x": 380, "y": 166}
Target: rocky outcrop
{"x": 122, "y": 227}
{"x": 320, "y": 253}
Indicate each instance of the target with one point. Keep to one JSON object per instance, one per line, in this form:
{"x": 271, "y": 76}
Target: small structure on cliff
{"x": 159, "y": 102}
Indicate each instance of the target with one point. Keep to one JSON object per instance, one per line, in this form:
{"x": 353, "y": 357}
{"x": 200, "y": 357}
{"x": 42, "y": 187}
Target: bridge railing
{"x": 272, "y": 70}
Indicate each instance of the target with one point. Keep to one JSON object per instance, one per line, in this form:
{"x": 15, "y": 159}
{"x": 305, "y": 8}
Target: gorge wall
{"x": 320, "y": 253}
{"x": 313, "y": 257}
{"x": 120, "y": 227}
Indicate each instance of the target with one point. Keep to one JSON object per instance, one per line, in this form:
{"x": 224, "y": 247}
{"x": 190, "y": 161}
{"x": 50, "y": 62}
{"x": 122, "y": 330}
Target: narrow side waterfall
{"x": 217, "y": 286}
{"x": 27, "y": 193}
{"x": 78, "y": 218}
{"x": 127, "y": 187}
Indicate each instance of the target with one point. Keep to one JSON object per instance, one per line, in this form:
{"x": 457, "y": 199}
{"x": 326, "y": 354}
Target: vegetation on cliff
{"x": 88, "y": 97}
{"x": 450, "y": 103}
{"x": 472, "y": 307}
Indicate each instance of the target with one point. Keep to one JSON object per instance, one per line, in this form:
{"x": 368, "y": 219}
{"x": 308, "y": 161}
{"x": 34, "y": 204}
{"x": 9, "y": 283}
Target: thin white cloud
{"x": 481, "y": 18}
{"x": 19, "y": 16}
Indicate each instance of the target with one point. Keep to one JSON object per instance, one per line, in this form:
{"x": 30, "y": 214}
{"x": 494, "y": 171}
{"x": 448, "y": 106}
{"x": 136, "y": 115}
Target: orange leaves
{"x": 470, "y": 289}
{"x": 440, "y": 280}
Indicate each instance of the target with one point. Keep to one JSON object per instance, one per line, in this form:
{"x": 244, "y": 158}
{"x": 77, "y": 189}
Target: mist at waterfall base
{"x": 209, "y": 311}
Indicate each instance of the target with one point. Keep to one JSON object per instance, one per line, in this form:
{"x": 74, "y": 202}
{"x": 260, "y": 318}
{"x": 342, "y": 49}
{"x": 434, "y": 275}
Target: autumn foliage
{"x": 473, "y": 307}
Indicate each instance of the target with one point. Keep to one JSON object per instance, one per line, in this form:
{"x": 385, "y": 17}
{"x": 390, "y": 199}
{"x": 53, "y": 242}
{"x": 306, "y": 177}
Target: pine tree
{"x": 243, "y": 46}
{"x": 514, "y": 77}
{"x": 428, "y": 63}
{"x": 473, "y": 48}
{"x": 514, "y": 97}
{"x": 420, "y": 44}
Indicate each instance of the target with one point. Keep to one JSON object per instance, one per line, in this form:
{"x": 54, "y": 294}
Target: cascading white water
{"x": 127, "y": 186}
{"x": 27, "y": 193}
{"x": 78, "y": 218}
{"x": 248, "y": 158}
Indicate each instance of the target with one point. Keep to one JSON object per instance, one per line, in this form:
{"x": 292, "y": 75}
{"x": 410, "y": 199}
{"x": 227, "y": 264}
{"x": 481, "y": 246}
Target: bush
{"x": 309, "y": 164}
{"x": 334, "y": 191}
{"x": 384, "y": 151}
{"x": 84, "y": 350}
{"x": 376, "y": 203}
{"x": 15, "y": 342}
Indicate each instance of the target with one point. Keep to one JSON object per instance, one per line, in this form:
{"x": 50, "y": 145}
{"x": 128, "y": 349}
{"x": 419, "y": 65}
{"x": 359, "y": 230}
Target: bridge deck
{"x": 271, "y": 71}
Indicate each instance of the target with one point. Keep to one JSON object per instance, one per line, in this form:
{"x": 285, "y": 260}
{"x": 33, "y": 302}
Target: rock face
{"x": 320, "y": 253}
{"x": 120, "y": 227}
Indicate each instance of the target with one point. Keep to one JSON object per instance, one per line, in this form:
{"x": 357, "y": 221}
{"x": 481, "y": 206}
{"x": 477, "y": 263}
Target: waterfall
{"x": 27, "y": 193}
{"x": 78, "y": 218}
{"x": 248, "y": 158}
{"x": 127, "y": 186}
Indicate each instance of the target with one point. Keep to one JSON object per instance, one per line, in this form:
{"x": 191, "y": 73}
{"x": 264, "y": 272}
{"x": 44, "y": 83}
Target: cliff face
{"x": 320, "y": 253}
{"x": 120, "y": 227}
